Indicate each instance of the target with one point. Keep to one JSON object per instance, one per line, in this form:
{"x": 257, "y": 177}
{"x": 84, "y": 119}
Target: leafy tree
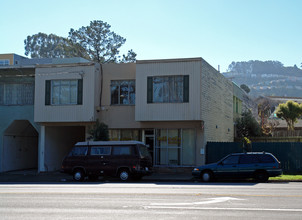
{"x": 247, "y": 126}
{"x": 43, "y": 46}
{"x": 290, "y": 112}
{"x": 245, "y": 88}
{"x": 99, "y": 132}
{"x": 95, "y": 42}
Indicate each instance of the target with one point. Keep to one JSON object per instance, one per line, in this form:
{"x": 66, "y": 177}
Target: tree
{"x": 290, "y": 112}
{"x": 245, "y": 88}
{"x": 99, "y": 132}
{"x": 45, "y": 46}
{"x": 247, "y": 126}
{"x": 95, "y": 42}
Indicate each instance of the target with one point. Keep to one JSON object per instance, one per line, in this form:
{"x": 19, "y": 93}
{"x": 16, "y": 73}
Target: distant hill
{"x": 270, "y": 78}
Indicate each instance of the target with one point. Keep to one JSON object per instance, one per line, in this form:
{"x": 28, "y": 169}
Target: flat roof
{"x": 94, "y": 143}
{"x": 194, "y": 59}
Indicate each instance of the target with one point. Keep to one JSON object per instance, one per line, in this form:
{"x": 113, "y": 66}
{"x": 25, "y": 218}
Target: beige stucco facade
{"x": 208, "y": 113}
{"x": 86, "y": 112}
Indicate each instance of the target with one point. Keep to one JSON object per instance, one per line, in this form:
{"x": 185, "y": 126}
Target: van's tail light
{"x": 137, "y": 167}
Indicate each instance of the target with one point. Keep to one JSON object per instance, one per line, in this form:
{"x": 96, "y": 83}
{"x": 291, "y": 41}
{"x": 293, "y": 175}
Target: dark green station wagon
{"x": 257, "y": 165}
{"x": 122, "y": 159}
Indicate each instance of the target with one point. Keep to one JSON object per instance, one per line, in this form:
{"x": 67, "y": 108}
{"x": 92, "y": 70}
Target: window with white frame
{"x": 63, "y": 92}
{"x": 16, "y": 93}
{"x": 168, "y": 89}
{"x": 122, "y": 92}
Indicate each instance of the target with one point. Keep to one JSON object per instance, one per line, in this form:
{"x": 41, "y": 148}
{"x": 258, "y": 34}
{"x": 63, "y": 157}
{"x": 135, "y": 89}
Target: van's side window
{"x": 121, "y": 150}
{"x": 79, "y": 151}
{"x": 106, "y": 150}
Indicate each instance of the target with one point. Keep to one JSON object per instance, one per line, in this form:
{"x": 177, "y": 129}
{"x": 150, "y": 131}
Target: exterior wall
{"x": 117, "y": 116}
{"x": 7, "y": 115}
{"x": 168, "y": 111}
{"x": 67, "y": 113}
{"x": 10, "y": 113}
{"x": 58, "y": 142}
{"x": 216, "y": 105}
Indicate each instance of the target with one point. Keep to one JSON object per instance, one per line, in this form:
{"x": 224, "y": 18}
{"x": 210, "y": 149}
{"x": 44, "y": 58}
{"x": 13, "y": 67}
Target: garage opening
{"x": 20, "y": 146}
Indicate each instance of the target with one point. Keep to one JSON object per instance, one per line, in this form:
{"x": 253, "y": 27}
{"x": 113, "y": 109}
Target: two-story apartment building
{"x": 175, "y": 106}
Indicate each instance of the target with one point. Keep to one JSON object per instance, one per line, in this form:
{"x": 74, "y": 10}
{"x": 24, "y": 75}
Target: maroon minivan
{"x": 123, "y": 159}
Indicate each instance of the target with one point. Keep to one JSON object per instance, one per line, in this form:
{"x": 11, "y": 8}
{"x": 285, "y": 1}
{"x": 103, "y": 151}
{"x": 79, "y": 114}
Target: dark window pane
{"x": 124, "y": 93}
{"x": 79, "y": 151}
{"x": 123, "y": 150}
{"x": 265, "y": 158}
{"x": 231, "y": 160}
{"x": 248, "y": 159}
{"x": 114, "y": 94}
{"x": 100, "y": 150}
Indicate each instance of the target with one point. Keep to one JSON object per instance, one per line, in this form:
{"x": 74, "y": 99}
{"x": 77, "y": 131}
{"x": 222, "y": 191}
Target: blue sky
{"x": 220, "y": 31}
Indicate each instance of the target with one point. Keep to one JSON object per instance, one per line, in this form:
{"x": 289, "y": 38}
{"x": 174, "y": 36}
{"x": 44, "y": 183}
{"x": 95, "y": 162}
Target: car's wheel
{"x": 206, "y": 176}
{"x": 78, "y": 175}
{"x": 261, "y": 176}
{"x": 124, "y": 175}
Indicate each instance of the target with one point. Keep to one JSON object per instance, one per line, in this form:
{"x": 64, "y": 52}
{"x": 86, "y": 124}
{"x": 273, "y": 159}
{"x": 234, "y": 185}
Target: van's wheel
{"x": 124, "y": 175}
{"x": 206, "y": 176}
{"x": 261, "y": 176}
{"x": 78, "y": 175}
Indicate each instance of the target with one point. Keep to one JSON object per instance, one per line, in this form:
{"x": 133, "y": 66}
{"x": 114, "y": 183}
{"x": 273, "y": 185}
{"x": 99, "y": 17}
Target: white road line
{"x": 223, "y": 209}
{"x": 211, "y": 201}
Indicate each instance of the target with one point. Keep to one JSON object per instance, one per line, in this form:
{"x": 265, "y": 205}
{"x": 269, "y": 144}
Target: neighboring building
{"x": 19, "y": 133}
{"x": 281, "y": 129}
{"x": 11, "y": 59}
{"x": 238, "y": 96}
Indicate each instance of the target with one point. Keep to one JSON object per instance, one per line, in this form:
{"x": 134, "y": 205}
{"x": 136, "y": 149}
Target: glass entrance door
{"x": 149, "y": 141}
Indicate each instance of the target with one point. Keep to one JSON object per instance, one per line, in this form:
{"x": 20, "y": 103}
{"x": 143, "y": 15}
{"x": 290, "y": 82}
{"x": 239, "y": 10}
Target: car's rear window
{"x": 266, "y": 158}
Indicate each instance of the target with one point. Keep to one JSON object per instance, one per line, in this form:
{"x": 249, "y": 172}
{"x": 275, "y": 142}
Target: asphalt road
{"x": 151, "y": 201}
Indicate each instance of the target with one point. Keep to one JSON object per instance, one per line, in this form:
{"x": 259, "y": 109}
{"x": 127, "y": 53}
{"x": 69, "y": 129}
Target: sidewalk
{"x": 31, "y": 176}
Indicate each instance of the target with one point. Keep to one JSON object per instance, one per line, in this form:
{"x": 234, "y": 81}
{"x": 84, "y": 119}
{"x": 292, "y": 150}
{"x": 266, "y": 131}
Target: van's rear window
{"x": 144, "y": 151}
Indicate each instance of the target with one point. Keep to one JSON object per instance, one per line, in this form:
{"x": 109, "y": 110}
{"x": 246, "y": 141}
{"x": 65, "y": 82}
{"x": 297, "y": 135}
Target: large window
{"x": 168, "y": 89}
{"x": 4, "y": 62}
{"x": 124, "y": 135}
{"x": 63, "y": 92}
{"x": 123, "y": 92}
{"x": 17, "y": 94}
{"x": 175, "y": 147}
